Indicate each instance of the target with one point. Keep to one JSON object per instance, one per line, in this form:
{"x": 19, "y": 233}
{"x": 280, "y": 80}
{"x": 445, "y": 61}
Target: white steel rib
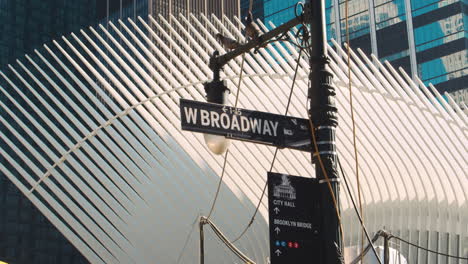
{"x": 91, "y": 135}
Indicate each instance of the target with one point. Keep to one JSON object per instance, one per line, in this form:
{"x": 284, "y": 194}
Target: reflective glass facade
{"x": 26, "y": 236}
{"x": 111, "y": 10}
{"x": 175, "y": 7}
{"x": 279, "y": 11}
{"x": 270, "y": 10}
{"x": 26, "y": 24}
{"x": 441, "y": 44}
{"x": 427, "y": 38}
{"x": 257, "y": 9}
{"x": 424, "y": 37}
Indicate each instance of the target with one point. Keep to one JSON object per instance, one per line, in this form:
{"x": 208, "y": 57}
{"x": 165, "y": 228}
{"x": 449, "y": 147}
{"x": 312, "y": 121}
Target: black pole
{"x": 201, "y": 223}
{"x": 386, "y": 250}
{"x": 323, "y": 114}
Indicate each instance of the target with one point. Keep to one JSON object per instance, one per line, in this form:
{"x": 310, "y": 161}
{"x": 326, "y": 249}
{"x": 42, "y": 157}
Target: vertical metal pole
{"x": 202, "y": 240}
{"x": 386, "y": 250}
{"x": 206, "y": 8}
{"x": 222, "y": 11}
{"x": 323, "y": 114}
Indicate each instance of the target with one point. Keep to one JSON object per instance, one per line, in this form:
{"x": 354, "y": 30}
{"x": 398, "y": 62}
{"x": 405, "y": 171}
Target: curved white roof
{"x": 93, "y": 139}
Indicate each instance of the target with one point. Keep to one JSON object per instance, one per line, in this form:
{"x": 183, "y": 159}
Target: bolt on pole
{"x": 324, "y": 117}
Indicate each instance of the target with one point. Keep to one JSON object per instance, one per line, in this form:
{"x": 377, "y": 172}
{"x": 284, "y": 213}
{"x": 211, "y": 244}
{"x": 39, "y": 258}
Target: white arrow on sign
{"x": 278, "y": 252}
{"x": 277, "y": 230}
{"x": 225, "y": 108}
{"x": 277, "y": 210}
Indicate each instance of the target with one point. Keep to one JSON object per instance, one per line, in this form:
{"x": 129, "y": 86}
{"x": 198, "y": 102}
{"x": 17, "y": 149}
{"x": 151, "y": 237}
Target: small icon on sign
{"x": 283, "y": 243}
{"x": 290, "y": 244}
{"x": 277, "y": 230}
{"x": 296, "y": 245}
{"x": 225, "y": 109}
{"x": 278, "y": 252}
{"x": 277, "y": 210}
{"x": 303, "y": 127}
{"x": 278, "y": 243}
{"x": 288, "y": 132}
{"x": 284, "y": 190}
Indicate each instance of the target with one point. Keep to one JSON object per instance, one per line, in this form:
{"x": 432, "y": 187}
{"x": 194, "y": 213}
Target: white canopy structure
{"x": 92, "y": 137}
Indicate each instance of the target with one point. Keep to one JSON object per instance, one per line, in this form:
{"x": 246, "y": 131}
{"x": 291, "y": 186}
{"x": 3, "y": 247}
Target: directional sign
{"x": 293, "y": 204}
{"x": 242, "y": 124}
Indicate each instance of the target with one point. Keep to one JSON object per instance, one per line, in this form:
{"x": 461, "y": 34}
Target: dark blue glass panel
{"x": 453, "y": 84}
{"x": 403, "y": 63}
{"x": 257, "y": 9}
{"x": 393, "y": 39}
{"x": 437, "y": 14}
{"x": 442, "y": 69}
{"x": 363, "y": 42}
{"x": 390, "y": 13}
{"x": 416, "y": 4}
{"x": 279, "y": 11}
{"x": 441, "y": 50}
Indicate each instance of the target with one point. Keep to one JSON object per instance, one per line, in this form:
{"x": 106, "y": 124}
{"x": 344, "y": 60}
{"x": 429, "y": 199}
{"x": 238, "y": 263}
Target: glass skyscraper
{"x": 175, "y": 7}
{"x": 427, "y": 38}
{"x": 257, "y": 9}
{"x": 27, "y": 24}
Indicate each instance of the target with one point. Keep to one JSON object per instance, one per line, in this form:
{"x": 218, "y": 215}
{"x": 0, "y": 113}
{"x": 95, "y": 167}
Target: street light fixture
{"x": 216, "y": 92}
{"x": 322, "y": 114}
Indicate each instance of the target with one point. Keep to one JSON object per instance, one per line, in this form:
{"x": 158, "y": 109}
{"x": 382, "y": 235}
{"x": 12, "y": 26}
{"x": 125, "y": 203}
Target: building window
{"x": 439, "y": 32}
{"x": 389, "y": 13}
{"x": 443, "y": 69}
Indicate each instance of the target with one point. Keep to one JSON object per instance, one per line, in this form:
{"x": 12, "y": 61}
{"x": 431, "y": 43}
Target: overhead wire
{"x": 322, "y": 167}
{"x": 426, "y": 249}
{"x": 356, "y": 157}
{"x": 383, "y": 233}
{"x": 223, "y": 238}
{"x": 227, "y": 151}
{"x": 327, "y": 179}
{"x": 272, "y": 165}
{"x": 252, "y": 219}
{"x": 371, "y": 241}
{"x": 207, "y": 220}
{"x": 181, "y": 254}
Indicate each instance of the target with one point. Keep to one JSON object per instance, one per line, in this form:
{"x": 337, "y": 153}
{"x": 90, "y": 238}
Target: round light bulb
{"x": 217, "y": 144}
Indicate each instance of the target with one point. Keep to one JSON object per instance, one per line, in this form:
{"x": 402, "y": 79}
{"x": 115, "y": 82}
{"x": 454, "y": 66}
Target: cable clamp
{"x": 203, "y": 220}
{"x": 325, "y": 142}
{"x": 320, "y": 59}
{"x": 324, "y": 152}
{"x": 329, "y": 180}
{"x": 326, "y": 127}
